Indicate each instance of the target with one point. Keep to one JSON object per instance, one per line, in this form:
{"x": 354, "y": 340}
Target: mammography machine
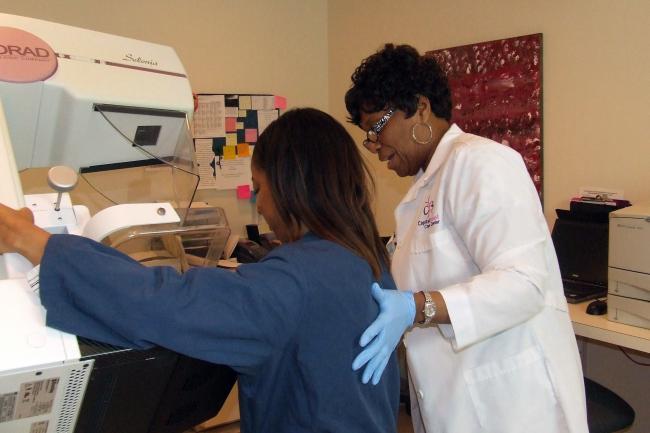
{"x": 115, "y": 111}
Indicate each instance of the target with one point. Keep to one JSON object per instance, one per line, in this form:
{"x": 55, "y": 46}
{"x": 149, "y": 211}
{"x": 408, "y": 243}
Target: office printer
{"x": 115, "y": 110}
{"x": 628, "y": 298}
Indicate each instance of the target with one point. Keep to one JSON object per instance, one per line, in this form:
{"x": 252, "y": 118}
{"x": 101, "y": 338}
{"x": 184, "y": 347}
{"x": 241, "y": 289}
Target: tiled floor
{"x": 403, "y": 425}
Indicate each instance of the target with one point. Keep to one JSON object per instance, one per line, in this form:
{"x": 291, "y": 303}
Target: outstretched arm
{"x": 18, "y": 234}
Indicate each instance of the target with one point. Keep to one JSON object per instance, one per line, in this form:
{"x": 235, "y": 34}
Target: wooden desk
{"x": 601, "y": 329}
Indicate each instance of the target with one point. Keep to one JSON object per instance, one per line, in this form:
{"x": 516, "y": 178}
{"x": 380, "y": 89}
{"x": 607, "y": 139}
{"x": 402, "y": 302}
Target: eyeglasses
{"x": 372, "y": 136}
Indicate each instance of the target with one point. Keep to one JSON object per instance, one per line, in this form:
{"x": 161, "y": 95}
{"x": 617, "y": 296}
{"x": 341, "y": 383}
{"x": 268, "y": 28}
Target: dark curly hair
{"x": 394, "y": 77}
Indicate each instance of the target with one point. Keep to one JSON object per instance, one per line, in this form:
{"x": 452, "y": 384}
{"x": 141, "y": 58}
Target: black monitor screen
{"x": 581, "y": 249}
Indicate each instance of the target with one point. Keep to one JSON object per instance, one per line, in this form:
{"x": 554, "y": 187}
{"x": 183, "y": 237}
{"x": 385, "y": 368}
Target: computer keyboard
{"x": 579, "y": 291}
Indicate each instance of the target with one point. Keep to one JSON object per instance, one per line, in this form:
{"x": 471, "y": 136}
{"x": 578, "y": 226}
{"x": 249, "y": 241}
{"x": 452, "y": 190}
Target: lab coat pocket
{"x": 515, "y": 394}
{"x": 426, "y": 241}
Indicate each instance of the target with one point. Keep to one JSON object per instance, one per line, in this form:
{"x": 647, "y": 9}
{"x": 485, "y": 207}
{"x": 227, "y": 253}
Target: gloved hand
{"x": 396, "y": 314}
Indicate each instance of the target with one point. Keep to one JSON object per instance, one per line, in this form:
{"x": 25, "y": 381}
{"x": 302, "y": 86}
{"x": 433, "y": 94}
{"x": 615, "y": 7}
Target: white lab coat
{"x": 472, "y": 227}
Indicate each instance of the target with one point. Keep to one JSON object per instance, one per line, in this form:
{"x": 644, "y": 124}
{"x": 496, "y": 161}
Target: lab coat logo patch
{"x": 429, "y": 216}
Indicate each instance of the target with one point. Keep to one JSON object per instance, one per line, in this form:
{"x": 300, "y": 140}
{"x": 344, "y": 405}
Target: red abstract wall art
{"x": 496, "y": 91}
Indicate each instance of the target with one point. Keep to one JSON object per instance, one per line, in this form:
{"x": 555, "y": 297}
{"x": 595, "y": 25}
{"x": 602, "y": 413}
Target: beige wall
{"x": 596, "y": 79}
{"x": 596, "y": 63}
{"x": 233, "y": 46}
{"x": 226, "y": 46}
{"x": 596, "y": 83}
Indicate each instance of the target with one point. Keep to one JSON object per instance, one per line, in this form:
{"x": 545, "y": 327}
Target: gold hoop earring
{"x": 428, "y": 140}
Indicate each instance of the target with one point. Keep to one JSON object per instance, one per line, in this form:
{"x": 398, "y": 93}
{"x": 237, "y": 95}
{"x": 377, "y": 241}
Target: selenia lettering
{"x": 131, "y": 58}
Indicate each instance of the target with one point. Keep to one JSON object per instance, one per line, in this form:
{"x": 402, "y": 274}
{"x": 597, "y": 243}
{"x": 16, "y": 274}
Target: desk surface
{"x": 599, "y": 328}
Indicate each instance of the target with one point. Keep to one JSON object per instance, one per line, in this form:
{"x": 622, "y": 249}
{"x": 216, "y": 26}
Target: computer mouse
{"x": 597, "y": 308}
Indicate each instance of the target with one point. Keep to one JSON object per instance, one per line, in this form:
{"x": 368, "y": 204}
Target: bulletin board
{"x": 496, "y": 91}
{"x": 225, "y": 128}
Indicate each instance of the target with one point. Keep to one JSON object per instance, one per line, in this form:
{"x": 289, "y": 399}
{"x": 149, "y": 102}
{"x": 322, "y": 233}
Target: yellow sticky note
{"x": 229, "y": 152}
{"x": 243, "y": 149}
{"x": 242, "y": 113}
{"x": 245, "y": 102}
{"x": 231, "y": 139}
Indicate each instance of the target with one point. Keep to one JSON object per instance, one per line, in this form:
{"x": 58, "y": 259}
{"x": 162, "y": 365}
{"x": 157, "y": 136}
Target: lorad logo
{"x": 429, "y": 217}
{"x": 131, "y": 58}
{"x": 25, "y": 52}
{"x": 24, "y": 57}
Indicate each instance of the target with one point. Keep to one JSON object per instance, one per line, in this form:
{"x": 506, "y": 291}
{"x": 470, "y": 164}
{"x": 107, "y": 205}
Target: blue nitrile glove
{"x": 396, "y": 314}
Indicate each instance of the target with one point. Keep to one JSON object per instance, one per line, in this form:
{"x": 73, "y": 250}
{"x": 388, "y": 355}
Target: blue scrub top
{"x": 289, "y": 325}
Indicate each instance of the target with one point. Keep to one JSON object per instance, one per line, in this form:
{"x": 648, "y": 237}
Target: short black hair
{"x": 394, "y": 77}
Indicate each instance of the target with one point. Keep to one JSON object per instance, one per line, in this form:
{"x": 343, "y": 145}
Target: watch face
{"x": 429, "y": 310}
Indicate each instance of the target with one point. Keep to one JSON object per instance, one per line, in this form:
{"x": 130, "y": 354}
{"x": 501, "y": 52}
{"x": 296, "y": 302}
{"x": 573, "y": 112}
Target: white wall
{"x": 226, "y": 46}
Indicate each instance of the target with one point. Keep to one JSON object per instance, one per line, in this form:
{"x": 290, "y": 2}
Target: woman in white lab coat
{"x": 489, "y": 342}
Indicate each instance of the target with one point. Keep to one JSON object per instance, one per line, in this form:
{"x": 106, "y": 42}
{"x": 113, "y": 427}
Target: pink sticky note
{"x": 280, "y": 102}
{"x": 250, "y": 135}
{"x": 244, "y": 192}
{"x": 231, "y": 124}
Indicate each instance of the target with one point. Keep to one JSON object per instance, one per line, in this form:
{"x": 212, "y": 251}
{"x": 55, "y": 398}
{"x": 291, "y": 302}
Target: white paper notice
{"x": 232, "y": 173}
{"x": 601, "y": 193}
{"x": 264, "y": 117}
{"x": 205, "y": 161}
{"x": 209, "y": 119}
{"x": 232, "y": 111}
{"x": 263, "y": 102}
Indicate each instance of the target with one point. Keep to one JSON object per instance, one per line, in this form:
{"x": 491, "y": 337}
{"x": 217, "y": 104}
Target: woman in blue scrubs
{"x": 289, "y": 325}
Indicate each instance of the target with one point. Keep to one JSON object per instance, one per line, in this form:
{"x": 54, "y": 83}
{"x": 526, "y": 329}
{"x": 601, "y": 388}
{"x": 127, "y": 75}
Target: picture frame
{"x": 496, "y": 91}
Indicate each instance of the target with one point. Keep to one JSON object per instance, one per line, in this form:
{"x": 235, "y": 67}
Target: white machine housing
{"x": 55, "y": 122}
{"x": 628, "y": 298}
